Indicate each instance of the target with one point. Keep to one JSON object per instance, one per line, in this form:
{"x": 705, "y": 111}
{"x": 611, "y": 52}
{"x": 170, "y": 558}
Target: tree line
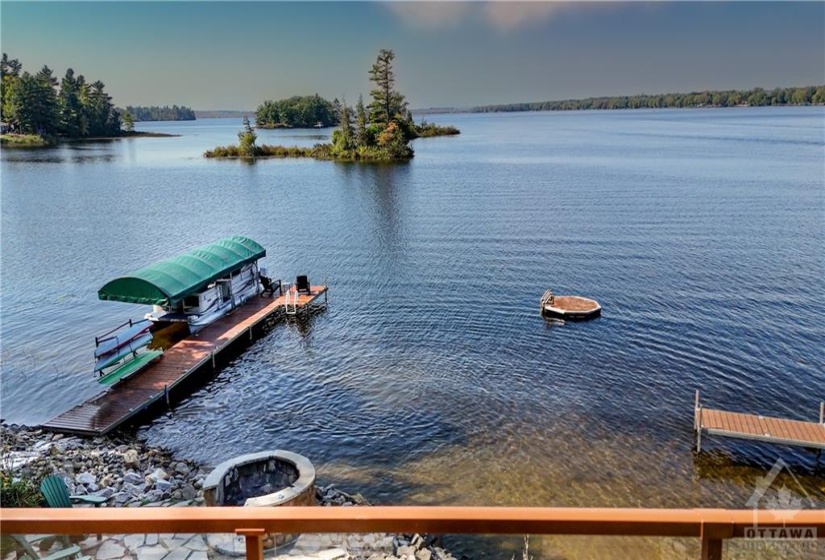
{"x": 299, "y": 111}
{"x": 43, "y": 105}
{"x": 757, "y": 97}
{"x": 165, "y": 113}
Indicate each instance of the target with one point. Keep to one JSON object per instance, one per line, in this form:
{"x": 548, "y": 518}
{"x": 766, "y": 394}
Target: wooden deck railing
{"x": 712, "y": 526}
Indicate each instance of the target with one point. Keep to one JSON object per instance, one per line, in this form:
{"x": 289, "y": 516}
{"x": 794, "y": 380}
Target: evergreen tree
{"x": 387, "y": 103}
{"x": 24, "y": 105}
{"x": 9, "y": 72}
{"x": 69, "y": 104}
{"x": 10, "y": 67}
{"x": 247, "y": 138}
{"x": 362, "y": 136}
{"x": 45, "y": 102}
{"x": 343, "y": 139}
{"x": 128, "y": 122}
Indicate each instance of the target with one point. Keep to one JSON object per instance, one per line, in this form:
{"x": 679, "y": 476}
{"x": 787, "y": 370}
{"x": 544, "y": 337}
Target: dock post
{"x": 697, "y": 423}
{"x": 250, "y": 334}
{"x": 696, "y": 410}
{"x": 166, "y": 395}
{"x": 213, "y": 362}
{"x": 822, "y": 412}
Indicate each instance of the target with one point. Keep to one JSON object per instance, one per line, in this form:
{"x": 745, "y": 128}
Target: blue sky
{"x": 220, "y": 55}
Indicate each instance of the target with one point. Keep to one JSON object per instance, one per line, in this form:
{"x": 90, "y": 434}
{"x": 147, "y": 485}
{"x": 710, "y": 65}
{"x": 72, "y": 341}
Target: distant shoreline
{"x": 711, "y": 99}
{"x": 473, "y": 111}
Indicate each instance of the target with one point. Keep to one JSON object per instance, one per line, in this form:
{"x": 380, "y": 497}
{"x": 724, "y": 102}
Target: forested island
{"x": 310, "y": 111}
{"x": 757, "y": 97}
{"x": 38, "y": 109}
{"x": 165, "y": 113}
{"x": 380, "y": 131}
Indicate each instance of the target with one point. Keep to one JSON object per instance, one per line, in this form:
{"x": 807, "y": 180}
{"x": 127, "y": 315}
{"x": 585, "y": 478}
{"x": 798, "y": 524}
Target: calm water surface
{"x": 431, "y": 378}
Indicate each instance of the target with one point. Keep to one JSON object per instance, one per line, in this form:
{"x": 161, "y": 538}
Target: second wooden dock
{"x": 104, "y": 413}
{"x": 759, "y": 428}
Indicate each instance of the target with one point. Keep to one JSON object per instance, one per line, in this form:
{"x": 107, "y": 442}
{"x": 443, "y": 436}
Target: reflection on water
{"x": 97, "y": 152}
{"x": 431, "y": 378}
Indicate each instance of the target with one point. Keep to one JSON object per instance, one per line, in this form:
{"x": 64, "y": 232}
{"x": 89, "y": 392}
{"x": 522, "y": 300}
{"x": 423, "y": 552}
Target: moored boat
{"x": 192, "y": 290}
{"x": 195, "y": 288}
{"x": 569, "y": 307}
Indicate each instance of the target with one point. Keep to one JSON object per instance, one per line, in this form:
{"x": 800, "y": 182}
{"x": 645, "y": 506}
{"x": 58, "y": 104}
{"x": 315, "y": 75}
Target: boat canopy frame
{"x": 168, "y": 282}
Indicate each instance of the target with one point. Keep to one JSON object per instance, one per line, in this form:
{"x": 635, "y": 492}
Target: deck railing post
{"x": 254, "y": 543}
{"x": 712, "y": 536}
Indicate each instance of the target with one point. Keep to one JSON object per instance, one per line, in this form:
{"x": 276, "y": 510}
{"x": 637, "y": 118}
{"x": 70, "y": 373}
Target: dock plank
{"x": 105, "y": 412}
{"x": 762, "y": 428}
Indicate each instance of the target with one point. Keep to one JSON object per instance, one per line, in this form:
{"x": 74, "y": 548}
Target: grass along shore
{"x": 25, "y": 141}
{"x": 328, "y": 152}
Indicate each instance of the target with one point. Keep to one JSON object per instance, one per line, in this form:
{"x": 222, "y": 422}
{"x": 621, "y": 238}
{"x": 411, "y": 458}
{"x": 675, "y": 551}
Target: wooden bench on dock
{"x": 780, "y": 431}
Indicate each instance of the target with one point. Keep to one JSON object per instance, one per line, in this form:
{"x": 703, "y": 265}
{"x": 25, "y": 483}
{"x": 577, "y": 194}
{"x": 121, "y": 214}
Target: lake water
{"x": 431, "y": 378}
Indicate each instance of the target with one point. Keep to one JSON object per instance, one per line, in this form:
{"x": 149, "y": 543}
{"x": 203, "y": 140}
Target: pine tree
{"x": 69, "y": 105}
{"x": 247, "y": 138}
{"x": 343, "y": 138}
{"x": 362, "y": 137}
{"x": 128, "y": 122}
{"x": 9, "y": 72}
{"x": 387, "y": 103}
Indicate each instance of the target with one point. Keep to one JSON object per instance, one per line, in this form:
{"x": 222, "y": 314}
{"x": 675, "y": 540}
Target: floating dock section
{"x": 202, "y": 351}
{"x": 758, "y": 428}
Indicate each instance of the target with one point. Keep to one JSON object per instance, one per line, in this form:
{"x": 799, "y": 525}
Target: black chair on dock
{"x": 270, "y": 285}
{"x": 302, "y": 285}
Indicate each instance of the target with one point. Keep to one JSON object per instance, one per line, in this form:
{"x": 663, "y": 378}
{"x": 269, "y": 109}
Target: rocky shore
{"x": 128, "y": 473}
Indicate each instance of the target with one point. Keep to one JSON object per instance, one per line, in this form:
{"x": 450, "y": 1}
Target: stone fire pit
{"x": 265, "y": 479}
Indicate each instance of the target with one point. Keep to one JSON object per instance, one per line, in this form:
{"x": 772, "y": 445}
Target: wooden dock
{"x": 134, "y": 395}
{"x": 780, "y": 431}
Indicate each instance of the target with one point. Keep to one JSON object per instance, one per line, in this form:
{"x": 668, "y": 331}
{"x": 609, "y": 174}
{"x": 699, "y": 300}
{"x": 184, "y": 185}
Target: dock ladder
{"x": 291, "y": 298}
{"x": 548, "y": 297}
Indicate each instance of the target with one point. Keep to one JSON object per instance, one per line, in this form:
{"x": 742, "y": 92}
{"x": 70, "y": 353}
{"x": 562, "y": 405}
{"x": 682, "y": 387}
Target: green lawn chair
{"x": 71, "y": 552}
{"x": 57, "y": 494}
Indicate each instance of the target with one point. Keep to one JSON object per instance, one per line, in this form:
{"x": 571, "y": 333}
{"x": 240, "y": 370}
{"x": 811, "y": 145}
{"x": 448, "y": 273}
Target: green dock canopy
{"x": 168, "y": 282}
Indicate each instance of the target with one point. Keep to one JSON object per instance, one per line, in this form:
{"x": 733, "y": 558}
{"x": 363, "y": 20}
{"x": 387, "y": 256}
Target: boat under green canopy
{"x": 168, "y": 282}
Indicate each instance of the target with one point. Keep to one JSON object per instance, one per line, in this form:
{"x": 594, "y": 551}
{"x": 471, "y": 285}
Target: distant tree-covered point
{"x": 44, "y": 106}
{"x": 297, "y": 112}
{"x": 165, "y": 113}
{"x": 757, "y": 97}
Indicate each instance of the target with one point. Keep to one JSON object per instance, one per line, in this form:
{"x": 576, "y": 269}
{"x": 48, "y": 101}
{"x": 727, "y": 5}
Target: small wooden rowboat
{"x": 569, "y": 307}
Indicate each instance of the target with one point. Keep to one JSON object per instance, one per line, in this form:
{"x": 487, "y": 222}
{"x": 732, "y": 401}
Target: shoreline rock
{"x": 126, "y": 473}
{"x": 129, "y": 473}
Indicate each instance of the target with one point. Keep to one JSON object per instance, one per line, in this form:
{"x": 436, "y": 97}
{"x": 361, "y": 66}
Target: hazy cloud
{"x": 430, "y": 14}
{"x": 504, "y": 15}
{"x": 510, "y": 15}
